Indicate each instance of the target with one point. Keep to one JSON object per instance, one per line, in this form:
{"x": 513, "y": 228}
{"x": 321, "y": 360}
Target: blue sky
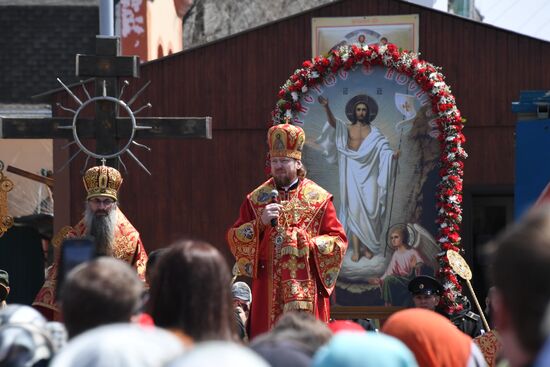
{"x": 530, "y": 17}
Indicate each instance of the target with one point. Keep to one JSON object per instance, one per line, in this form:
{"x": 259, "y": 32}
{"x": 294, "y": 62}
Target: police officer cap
{"x": 424, "y": 284}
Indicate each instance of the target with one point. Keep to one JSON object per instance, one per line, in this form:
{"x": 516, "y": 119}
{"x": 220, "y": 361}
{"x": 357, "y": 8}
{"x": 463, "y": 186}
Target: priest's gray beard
{"x": 101, "y": 225}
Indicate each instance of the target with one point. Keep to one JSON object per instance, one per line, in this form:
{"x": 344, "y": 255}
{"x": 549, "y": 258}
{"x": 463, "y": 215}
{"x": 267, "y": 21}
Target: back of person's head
{"x": 152, "y": 261}
{"x": 219, "y": 353}
{"x": 24, "y": 338}
{"x": 283, "y": 353}
{"x": 120, "y": 345}
{"x": 191, "y": 292}
{"x": 301, "y": 328}
{"x": 523, "y": 249}
{"x": 433, "y": 339}
{"x": 339, "y": 326}
{"x": 543, "y": 357}
{"x": 102, "y": 291}
{"x": 368, "y": 349}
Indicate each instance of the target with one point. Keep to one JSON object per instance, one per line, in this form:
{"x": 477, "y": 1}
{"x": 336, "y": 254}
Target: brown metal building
{"x": 197, "y": 186}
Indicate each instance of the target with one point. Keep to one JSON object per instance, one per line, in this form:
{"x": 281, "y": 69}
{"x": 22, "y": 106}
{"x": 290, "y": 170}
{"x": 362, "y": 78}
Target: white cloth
{"x": 365, "y": 176}
{"x": 220, "y": 353}
{"x": 120, "y": 345}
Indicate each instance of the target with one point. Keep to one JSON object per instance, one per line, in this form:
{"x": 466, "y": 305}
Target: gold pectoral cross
{"x": 292, "y": 265}
{"x": 292, "y": 210}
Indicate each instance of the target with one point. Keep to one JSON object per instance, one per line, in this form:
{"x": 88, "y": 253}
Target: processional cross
{"x": 108, "y": 129}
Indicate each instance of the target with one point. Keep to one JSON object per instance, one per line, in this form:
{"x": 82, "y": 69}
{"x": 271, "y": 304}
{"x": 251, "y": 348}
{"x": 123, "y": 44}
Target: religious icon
{"x": 376, "y": 153}
{"x": 332, "y": 33}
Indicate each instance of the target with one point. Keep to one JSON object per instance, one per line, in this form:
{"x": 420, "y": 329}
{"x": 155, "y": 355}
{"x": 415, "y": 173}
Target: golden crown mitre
{"x": 102, "y": 181}
{"x": 286, "y": 140}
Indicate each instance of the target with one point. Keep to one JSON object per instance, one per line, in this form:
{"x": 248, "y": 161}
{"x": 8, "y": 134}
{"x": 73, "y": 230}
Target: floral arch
{"x": 449, "y": 124}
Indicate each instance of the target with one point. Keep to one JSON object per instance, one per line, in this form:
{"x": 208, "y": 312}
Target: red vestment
{"x": 127, "y": 247}
{"x": 294, "y": 265}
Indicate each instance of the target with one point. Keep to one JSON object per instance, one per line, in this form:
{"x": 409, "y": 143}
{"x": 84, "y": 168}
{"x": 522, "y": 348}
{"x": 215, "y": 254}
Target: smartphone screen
{"x": 74, "y": 251}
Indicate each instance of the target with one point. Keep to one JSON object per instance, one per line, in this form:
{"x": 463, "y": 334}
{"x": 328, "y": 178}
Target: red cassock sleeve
{"x": 328, "y": 248}
{"x": 244, "y": 241}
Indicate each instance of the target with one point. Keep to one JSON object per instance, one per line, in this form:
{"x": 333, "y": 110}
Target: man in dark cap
{"x": 426, "y": 292}
{"x": 4, "y": 288}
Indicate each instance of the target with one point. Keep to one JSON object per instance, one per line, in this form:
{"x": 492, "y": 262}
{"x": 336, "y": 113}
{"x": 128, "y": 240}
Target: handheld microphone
{"x": 274, "y": 194}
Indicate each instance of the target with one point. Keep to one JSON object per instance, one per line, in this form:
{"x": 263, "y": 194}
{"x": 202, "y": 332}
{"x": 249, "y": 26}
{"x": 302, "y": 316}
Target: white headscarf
{"x": 215, "y": 354}
{"x": 24, "y": 337}
{"x": 120, "y": 345}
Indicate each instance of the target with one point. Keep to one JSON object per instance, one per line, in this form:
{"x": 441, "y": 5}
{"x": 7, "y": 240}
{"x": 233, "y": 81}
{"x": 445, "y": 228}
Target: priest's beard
{"x": 283, "y": 181}
{"x": 101, "y": 225}
{"x": 284, "y": 176}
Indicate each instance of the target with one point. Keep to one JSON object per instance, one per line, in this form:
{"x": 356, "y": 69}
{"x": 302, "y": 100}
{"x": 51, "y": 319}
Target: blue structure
{"x": 532, "y": 148}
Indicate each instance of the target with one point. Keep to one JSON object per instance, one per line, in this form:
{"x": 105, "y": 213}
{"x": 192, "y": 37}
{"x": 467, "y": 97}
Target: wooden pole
{"x": 485, "y": 323}
{"x": 31, "y": 176}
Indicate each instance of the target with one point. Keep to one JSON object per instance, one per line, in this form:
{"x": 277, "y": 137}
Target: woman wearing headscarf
{"x": 433, "y": 339}
{"x": 368, "y": 349}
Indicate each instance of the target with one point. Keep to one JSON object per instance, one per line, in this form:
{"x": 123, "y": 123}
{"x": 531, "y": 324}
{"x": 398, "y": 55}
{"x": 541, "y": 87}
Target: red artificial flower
{"x": 358, "y": 53}
{"x": 454, "y": 237}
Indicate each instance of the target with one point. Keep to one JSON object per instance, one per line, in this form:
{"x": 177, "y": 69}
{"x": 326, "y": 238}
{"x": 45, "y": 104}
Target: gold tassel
{"x": 293, "y": 251}
{"x": 298, "y": 306}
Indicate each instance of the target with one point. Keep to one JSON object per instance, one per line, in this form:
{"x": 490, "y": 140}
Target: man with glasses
{"x": 287, "y": 238}
{"x": 114, "y": 235}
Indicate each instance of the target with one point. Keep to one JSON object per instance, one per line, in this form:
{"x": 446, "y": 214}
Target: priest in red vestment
{"x": 114, "y": 235}
{"x": 287, "y": 238}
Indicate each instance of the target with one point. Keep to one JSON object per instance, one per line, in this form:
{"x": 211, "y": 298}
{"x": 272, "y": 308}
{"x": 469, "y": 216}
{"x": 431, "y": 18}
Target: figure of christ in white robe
{"x": 365, "y": 177}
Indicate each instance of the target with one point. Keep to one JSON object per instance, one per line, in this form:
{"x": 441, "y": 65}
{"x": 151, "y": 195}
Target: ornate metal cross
{"x": 110, "y": 131}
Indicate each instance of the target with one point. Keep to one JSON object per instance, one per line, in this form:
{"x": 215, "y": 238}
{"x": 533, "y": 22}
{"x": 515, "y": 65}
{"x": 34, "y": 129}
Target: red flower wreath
{"x": 449, "y": 121}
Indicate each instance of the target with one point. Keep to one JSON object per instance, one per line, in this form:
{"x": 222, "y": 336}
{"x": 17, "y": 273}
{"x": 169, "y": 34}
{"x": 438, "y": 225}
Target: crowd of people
{"x": 189, "y": 313}
{"x": 180, "y": 305}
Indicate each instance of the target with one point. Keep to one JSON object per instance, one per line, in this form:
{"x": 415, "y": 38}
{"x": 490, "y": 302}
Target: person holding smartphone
{"x": 103, "y": 221}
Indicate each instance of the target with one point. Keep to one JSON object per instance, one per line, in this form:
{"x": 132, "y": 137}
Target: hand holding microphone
{"x": 271, "y": 212}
